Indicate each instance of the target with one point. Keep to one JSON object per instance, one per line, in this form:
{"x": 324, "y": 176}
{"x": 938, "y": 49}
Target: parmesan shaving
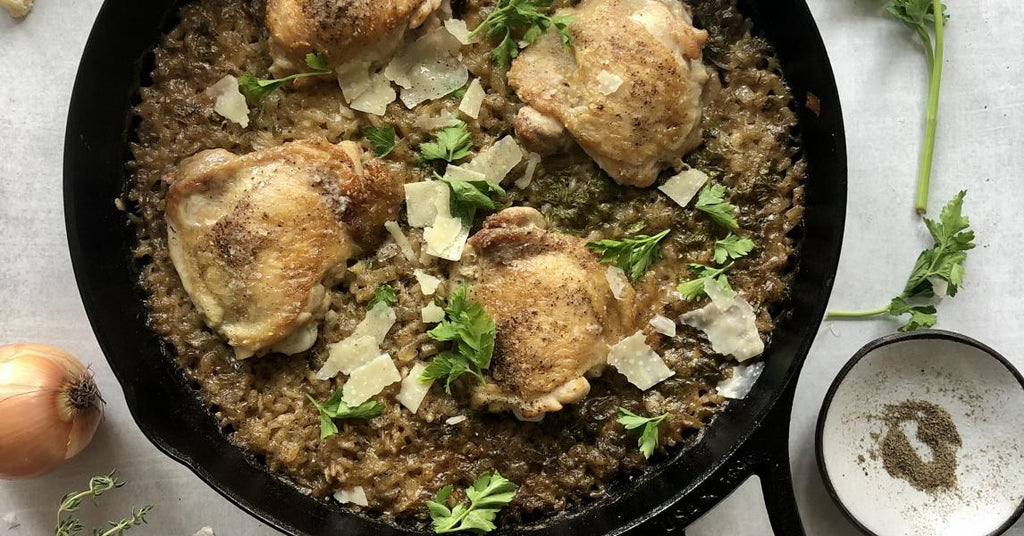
{"x": 451, "y": 421}
{"x": 474, "y": 98}
{"x": 354, "y": 495}
{"x": 230, "y": 103}
{"x": 460, "y": 173}
{"x": 663, "y": 325}
{"x": 446, "y": 238}
{"x": 428, "y": 283}
{"x": 608, "y": 83}
{"x": 426, "y": 69}
{"x": 742, "y": 380}
{"x": 497, "y": 160}
{"x": 370, "y": 379}
{"x": 616, "y": 280}
{"x": 362, "y": 346}
{"x": 400, "y": 239}
{"x": 641, "y": 365}
{"x": 728, "y": 322}
{"x": 425, "y": 201}
{"x": 532, "y": 161}
{"x": 432, "y": 314}
{"x": 413, "y": 391}
{"x": 682, "y": 187}
{"x": 459, "y": 30}
{"x": 364, "y": 90}
{"x": 436, "y": 122}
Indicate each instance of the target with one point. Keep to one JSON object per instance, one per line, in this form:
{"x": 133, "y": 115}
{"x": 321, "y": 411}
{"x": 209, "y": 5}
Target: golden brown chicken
{"x": 256, "y": 238}
{"x": 628, "y": 90}
{"x": 553, "y": 310}
{"x": 342, "y": 29}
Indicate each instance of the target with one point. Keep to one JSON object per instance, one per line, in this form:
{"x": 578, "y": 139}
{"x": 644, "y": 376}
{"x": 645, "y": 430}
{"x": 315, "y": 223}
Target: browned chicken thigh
{"x": 628, "y": 90}
{"x": 256, "y": 238}
{"x": 553, "y": 311}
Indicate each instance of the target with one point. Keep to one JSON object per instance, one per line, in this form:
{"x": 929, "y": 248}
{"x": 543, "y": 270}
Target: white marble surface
{"x": 882, "y": 81}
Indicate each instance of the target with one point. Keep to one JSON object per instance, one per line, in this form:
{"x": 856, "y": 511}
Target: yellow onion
{"x": 49, "y": 409}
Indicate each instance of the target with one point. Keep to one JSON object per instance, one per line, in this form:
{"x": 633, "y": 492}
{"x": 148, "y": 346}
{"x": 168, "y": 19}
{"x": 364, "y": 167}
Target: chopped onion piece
{"x": 413, "y": 391}
{"x": 641, "y": 365}
{"x": 617, "y": 280}
{"x": 451, "y": 421}
{"x": 682, "y": 187}
{"x": 532, "y": 161}
{"x": 742, "y": 380}
{"x": 608, "y": 83}
{"x": 663, "y": 325}
{"x": 728, "y": 322}
{"x": 497, "y": 160}
{"x": 230, "y": 102}
{"x": 425, "y": 201}
{"x": 428, "y": 283}
{"x": 459, "y": 30}
{"x": 370, "y": 379}
{"x": 400, "y": 239}
{"x": 354, "y": 495}
{"x": 474, "y": 98}
{"x": 432, "y": 314}
{"x": 446, "y": 238}
{"x": 426, "y": 69}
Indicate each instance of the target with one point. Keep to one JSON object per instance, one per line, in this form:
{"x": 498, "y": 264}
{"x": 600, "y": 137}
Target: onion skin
{"x": 49, "y": 409}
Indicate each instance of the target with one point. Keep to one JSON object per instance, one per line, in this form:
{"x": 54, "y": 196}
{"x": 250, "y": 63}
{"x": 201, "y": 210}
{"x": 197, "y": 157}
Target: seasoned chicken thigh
{"x": 256, "y": 238}
{"x": 552, "y": 308}
{"x": 628, "y": 91}
{"x": 341, "y": 29}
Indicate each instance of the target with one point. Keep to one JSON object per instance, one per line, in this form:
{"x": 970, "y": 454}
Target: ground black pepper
{"x": 936, "y": 430}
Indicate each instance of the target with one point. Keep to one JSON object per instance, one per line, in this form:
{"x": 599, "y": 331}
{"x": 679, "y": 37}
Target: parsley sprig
{"x": 452, "y": 144}
{"x": 944, "y": 261}
{"x": 470, "y": 330}
{"x": 383, "y": 294}
{"x": 487, "y": 496}
{"x": 634, "y": 254}
{"x": 69, "y": 525}
{"x": 694, "y": 288}
{"x": 732, "y": 247}
{"x": 336, "y": 408}
{"x": 919, "y": 15}
{"x": 647, "y": 427}
{"x": 469, "y": 196}
{"x": 512, "y": 16}
{"x": 256, "y": 89}
{"x": 711, "y": 201}
{"x": 382, "y": 140}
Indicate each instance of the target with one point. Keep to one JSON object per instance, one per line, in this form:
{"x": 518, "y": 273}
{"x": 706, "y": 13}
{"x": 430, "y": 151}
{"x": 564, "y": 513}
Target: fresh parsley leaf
{"x": 383, "y": 294}
{"x": 487, "y": 496}
{"x": 732, "y": 247}
{"x": 336, "y": 408}
{"x": 634, "y": 255}
{"x": 468, "y": 196}
{"x": 711, "y": 201}
{"x": 382, "y": 140}
{"x": 458, "y": 93}
{"x": 256, "y": 89}
{"x": 527, "y": 17}
{"x": 453, "y": 144}
{"x": 694, "y": 288}
{"x": 944, "y": 261}
{"x": 470, "y": 330}
{"x": 647, "y": 427}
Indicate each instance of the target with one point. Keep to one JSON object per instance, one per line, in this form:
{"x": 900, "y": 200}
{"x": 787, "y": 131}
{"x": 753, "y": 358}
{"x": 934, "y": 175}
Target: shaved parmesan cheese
{"x": 460, "y": 173}
{"x": 532, "y": 160}
{"x": 616, "y": 280}
{"x": 742, "y": 380}
{"x": 425, "y": 201}
{"x": 451, "y": 421}
{"x": 428, "y": 283}
{"x": 682, "y": 187}
{"x": 641, "y": 365}
{"x": 413, "y": 391}
{"x": 497, "y": 160}
{"x": 663, "y": 325}
{"x": 474, "y": 98}
{"x": 459, "y": 30}
{"x": 230, "y": 102}
{"x": 608, "y": 83}
{"x": 370, "y": 379}
{"x": 364, "y": 90}
{"x": 377, "y": 323}
{"x": 446, "y": 238}
{"x": 427, "y": 69}
{"x": 362, "y": 346}
{"x": 354, "y": 495}
{"x": 400, "y": 239}
{"x": 436, "y": 122}
{"x": 728, "y": 322}
{"x": 432, "y": 314}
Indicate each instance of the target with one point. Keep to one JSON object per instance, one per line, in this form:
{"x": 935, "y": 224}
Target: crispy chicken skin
{"x": 256, "y": 238}
{"x": 647, "y": 123}
{"x": 341, "y": 29}
{"x": 552, "y": 308}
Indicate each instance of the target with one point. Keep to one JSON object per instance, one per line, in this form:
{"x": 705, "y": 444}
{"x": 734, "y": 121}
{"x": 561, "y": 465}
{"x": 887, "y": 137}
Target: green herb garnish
{"x": 471, "y": 332}
{"x": 711, "y": 201}
{"x": 919, "y": 15}
{"x": 383, "y": 294}
{"x": 634, "y": 255}
{"x": 647, "y": 427}
{"x": 944, "y": 261}
{"x": 453, "y": 144}
{"x": 71, "y": 502}
{"x": 256, "y": 89}
{"x": 382, "y": 140}
{"x": 487, "y": 496}
{"x": 513, "y": 16}
{"x": 336, "y": 408}
{"x": 732, "y": 247}
{"x": 694, "y": 288}
{"x": 468, "y": 196}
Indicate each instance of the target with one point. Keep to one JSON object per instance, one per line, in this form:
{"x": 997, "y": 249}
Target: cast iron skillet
{"x": 750, "y": 437}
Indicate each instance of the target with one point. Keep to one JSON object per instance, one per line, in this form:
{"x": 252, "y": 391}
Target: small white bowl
{"x": 983, "y": 393}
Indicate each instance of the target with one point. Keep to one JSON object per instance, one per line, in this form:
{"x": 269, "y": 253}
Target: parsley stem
{"x": 931, "y": 119}
{"x": 857, "y": 314}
